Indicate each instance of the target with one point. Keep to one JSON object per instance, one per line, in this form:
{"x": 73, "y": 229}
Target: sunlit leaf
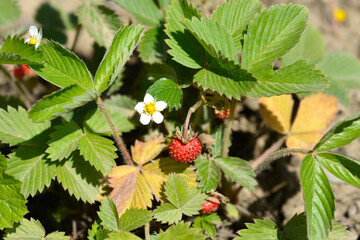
{"x": 109, "y": 215}
{"x": 260, "y": 229}
{"x": 168, "y": 91}
{"x": 338, "y": 232}
{"x": 143, "y": 152}
{"x": 182, "y": 231}
{"x": 208, "y": 173}
{"x": 134, "y": 218}
{"x": 121, "y": 235}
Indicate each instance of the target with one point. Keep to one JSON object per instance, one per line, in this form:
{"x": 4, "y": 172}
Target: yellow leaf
{"x": 276, "y": 111}
{"x": 143, "y": 152}
{"x": 303, "y": 140}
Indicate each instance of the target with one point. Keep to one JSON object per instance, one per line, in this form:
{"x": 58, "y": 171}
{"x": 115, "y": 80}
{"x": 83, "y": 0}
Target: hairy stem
{"x": 147, "y": 231}
{"x": 78, "y": 29}
{"x": 268, "y": 151}
{"x": 120, "y": 143}
{"x": 187, "y": 121}
{"x": 227, "y": 132}
{"x": 22, "y": 91}
{"x": 279, "y": 154}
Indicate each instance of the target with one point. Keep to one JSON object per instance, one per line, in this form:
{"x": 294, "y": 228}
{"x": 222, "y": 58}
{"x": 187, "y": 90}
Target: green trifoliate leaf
{"x": 238, "y": 170}
{"x": 134, "y": 218}
{"x": 185, "y": 49}
{"x": 225, "y": 78}
{"x": 214, "y": 37}
{"x": 64, "y": 140}
{"x": 97, "y": 123}
{"x": 295, "y": 229}
{"x": 260, "y": 229}
{"x": 62, "y": 67}
{"x": 319, "y": 199}
{"x": 205, "y": 223}
{"x": 297, "y": 77}
{"x": 79, "y": 178}
{"x": 272, "y": 34}
{"x": 16, "y": 51}
{"x": 32, "y": 230}
{"x": 121, "y": 235}
{"x": 342, "y": 167}
{"x": 338, "y": 232}
{"x": 343, "y": 71}
{"x": 29, "y": 165}
{"x": 122, "y": 46}
{"x": 60, "y": 102}
{"x": 12, "y": 202}
{"x": 235, "y": 16}
{"x": 182, "y": 198}
{"x": 9, "y": 12}
{"x": 17, "y": 128}
{"x": 109, "y": 215}
{"x": 152, "y": 47}
{"x": 310, "y": 47}
{"x": 97, "y": 232}
{"x": 181, "y": 231}
{"x": 208, "y": 173}
{"x": 341, "y": 134}
{"x": 168, "y": 91}
{"x": 99, "y": 21}
{"x": 145, "y": 11}
{"x": 99, "y": 151}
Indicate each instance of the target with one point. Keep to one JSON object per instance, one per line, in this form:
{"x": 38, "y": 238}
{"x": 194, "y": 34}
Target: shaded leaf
{"x": 152, "y": 47}
{"x": 238, "y": 170}
{"x": 168, "y": 91}
{"x": 9, "y": 12}
{"x": 182, "y": 231}
{"x": 205, "y": 222}
{"x": 134, "y": 218}
{"x": 260, "y": 229}
{"x": 295, "y": 229}
{"x": 319, "y": 199}
{"x": 208, "y": 173}
{"x": 109, "y": 215}
{"x": 97, "y": 232}
{"x": 272, "y": 34}
{"x": 122, "y": 46}
{"x": 99, "y": 151}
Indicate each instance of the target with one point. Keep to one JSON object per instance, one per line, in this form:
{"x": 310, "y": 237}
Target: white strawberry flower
{"x": 35, "y": 36}
{"x": 150, "y": 109}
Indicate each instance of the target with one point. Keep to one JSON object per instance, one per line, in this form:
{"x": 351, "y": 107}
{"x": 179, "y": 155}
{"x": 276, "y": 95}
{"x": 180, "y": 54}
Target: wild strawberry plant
{"x": 207, "y": 62}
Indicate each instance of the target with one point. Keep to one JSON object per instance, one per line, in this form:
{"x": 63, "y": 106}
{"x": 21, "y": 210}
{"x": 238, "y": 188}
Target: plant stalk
{"x": 78, "y": 29}
{"x": 120, "y": 143}
{"x": 278, "y": 154}
{"x": 147, "y": 231}
{"x": 187, "y": 121}
{"x": 227, "y": 132}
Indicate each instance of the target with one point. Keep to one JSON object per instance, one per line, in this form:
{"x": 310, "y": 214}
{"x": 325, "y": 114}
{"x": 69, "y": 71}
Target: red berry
{"x": 210, "y": 206}
{"x": 184, "y": 152}
{"x": 20, "y": 71}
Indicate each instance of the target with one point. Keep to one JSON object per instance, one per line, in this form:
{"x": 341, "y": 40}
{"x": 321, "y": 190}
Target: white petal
{"x": 145, "y": 119}
{"x": 27, "y": 40}
{"x": 33, "y": 31}
{"x": 148, "y": 99}
{"x": 158, "y": 117}
{"x": 140, "y": 107}
{"x": 37, "y": 44}
{"x": 160, "y": 105}
{"x": 39, "y": 37}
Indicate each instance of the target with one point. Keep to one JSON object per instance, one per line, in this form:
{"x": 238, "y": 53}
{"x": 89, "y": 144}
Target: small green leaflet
{"x": 205, "y": 223}
{"x": 341, "y": 134}
{"x": 260, "y": 229}
{"x": 99, "y": 21}
{"x": 109, "y": 215}
{"x": 295, "y": 229}
{"x": 319, "y": 198}
{"x": 12, "y": 202}
{"x": 134, "y": 218}
{"x": 338, "y": 232}
{"x": 122, "y": 46}
{"x": 167, "y": 90}
{"x": 32, "y": 229}
{"x": 182, "y": 198}
{"x": 208, "y": 173}
{"x": 182, "y": 229}
{"x": 271, "y": 34}
{"x": 152, "y": 47}
{"x": 62, "y": 67}
{"x": 97, "y": 232}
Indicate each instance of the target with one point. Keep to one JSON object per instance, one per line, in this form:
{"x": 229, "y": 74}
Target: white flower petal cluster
{"x": 35, "y": 36}
{"x": 150, "y": 109}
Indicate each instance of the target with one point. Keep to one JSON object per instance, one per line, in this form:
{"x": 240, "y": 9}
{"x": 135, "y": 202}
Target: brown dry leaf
{"x": 276, "y": 111}
{"x": 143, "y": 152}
{"x": 315, "y": 114}
{"x": 134, "y": 186}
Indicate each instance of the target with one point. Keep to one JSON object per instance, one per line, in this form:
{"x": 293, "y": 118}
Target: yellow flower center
{"x": 150, "y": 108}
{"x": 33, "y": 40}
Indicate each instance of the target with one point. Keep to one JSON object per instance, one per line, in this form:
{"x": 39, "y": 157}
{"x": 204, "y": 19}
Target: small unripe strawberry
{"x": 210, "y": 206}
{"x": 222, "y": 113}
{"x": 184, "y": 152}
{"x": 21, "y": 71}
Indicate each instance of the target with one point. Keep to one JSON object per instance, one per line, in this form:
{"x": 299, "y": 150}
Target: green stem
{"x": 120, "y": 143}
{"x": 22, "y": 91}
{"x": 78, "y": 29}
{"x": 227, "y": 132}
{"x": 278, "y": 154}
{"x": 147, "y": 231}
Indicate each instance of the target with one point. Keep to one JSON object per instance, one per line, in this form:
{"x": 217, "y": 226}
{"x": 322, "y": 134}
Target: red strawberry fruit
{"x": 211, "y": 206}
{"x": 21, "y": 71}
{"x": 184, "y": 152}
